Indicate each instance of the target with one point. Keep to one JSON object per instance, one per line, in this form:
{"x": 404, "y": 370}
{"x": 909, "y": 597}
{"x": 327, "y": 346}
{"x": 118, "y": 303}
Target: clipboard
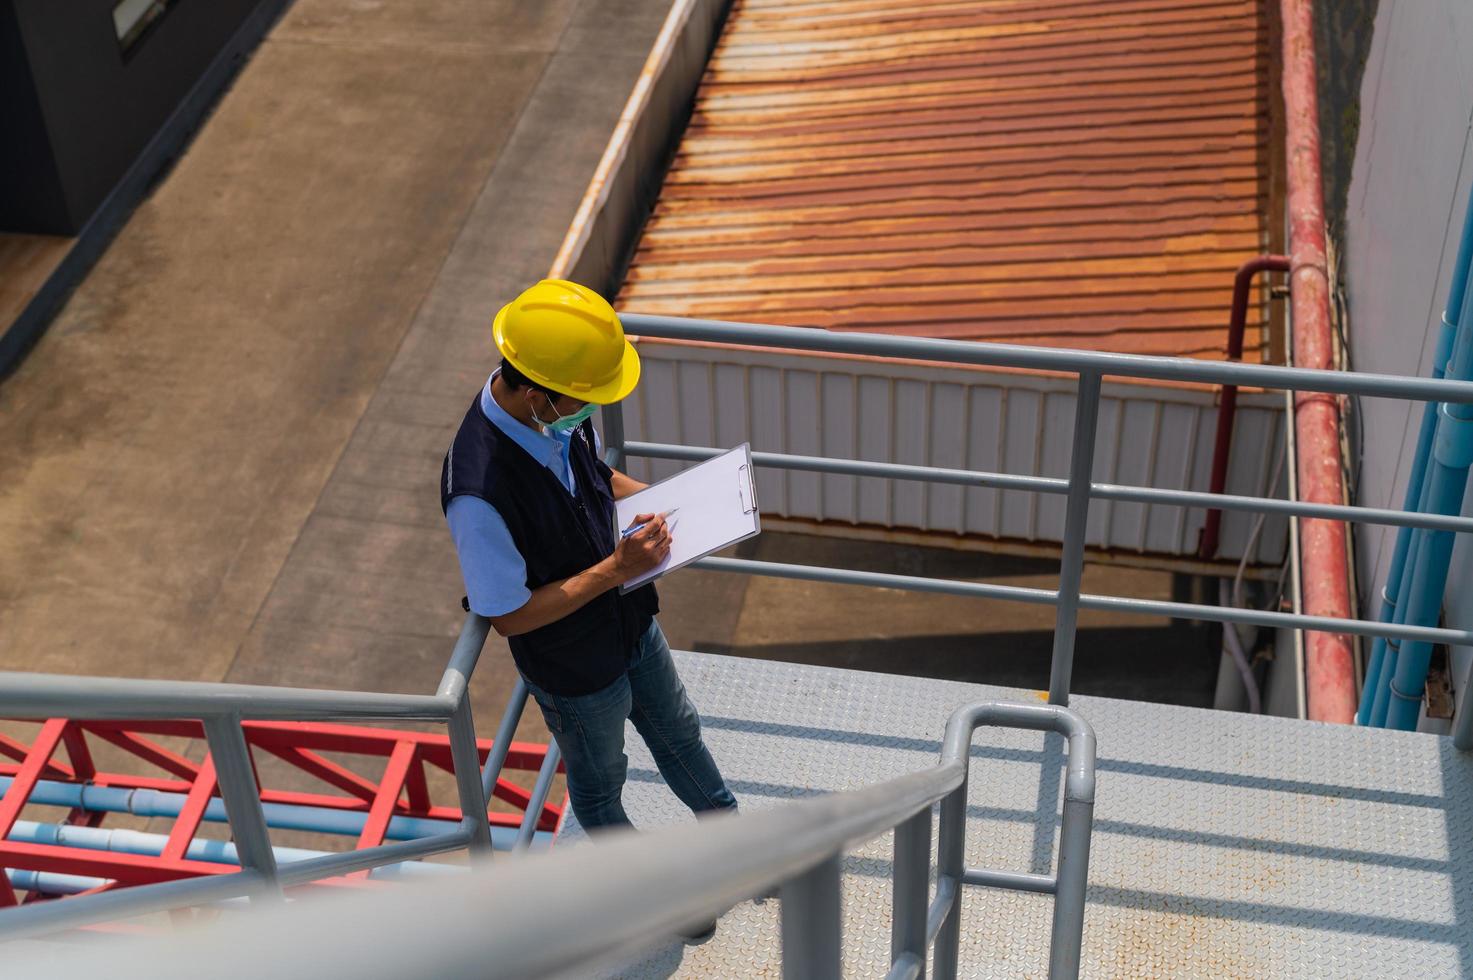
{"x": 718, "y": 508}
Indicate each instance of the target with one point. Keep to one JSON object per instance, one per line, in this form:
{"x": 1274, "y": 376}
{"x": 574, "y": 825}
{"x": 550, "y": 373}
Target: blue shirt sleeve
{"x": 495, "y": 574}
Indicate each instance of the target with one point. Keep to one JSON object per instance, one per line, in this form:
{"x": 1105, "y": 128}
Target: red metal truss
{"x": 399, "y": 787}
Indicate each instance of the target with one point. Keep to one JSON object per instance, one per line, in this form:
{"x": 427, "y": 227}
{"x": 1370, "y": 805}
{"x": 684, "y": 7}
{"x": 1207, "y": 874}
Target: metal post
{"x": 466, "y": 758}
{"x": 1463, "y": 733}
{"x": 613, "y": 419}
{"x": 912, "y": 882}
{"x": 951, "y": 863}
{"x": 539, "y": 797}
{"x": 1076, "y": 517}
{"x": 241, "y": 796}
{"x": 463, "y": 658}
{"x": 811, "y": 929}
{"x": 1073, "y": 872}
{"x": 496, "y": 760}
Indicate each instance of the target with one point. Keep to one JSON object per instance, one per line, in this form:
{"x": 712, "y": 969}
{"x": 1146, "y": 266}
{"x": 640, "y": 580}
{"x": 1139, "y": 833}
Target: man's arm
{"x": 634, "y": 556}
{"x": 624, "y": 485}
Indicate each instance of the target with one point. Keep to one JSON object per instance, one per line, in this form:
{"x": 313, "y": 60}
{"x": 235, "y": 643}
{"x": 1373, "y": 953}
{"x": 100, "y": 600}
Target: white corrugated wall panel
{"x": 1022, "y": 433}
{"x": 949, "y": 450}
{"x": 875, "y": 444}
{"x": 911, "y": 443}
{"x": 841, "y": 440}
{"x": 984, "y": 438}
{"x": 939, "y": 416}
{"x": 803, "y": 422}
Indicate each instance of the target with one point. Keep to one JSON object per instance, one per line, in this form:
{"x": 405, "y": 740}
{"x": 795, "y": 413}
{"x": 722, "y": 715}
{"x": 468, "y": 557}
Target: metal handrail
{"x": 1059, "y": 360}
{"x": 41, "y": 696}
{"x": 1079, "y": 489}
{"x": 222, "y": 708}
{"x": 1124, "y": 493}
{"x": 493, "y": 924}
{"x": 1106, "y": 603}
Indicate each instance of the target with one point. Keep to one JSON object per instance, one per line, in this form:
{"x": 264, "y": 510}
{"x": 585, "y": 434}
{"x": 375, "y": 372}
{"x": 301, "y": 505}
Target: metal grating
{"x": 1071, "y": 173}
{"x": 1225, "y": 845}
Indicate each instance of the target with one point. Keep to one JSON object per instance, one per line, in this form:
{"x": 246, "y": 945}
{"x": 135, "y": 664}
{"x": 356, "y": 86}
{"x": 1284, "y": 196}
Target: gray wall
{"x": 1409, "y": 186}
{"x": 80, "y": 110}
{"x": 1343, "y": 32}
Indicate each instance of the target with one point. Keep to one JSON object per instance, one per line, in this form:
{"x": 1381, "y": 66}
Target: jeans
{"x": 589, "y": 730}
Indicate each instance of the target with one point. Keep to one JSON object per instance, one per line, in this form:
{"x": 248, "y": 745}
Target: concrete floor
{"x": 221, "y": 461}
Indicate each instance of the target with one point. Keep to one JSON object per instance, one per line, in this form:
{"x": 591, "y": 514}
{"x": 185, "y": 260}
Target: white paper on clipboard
{"x": 718, "y": 507}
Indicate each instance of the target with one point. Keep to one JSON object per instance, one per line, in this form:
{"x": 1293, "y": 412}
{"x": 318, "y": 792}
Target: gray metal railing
{"x": 222, "y": 708}
{"x": 684, "y": 875}
{"x": 495, "y": 923}
{"x": 1089, "y": 368}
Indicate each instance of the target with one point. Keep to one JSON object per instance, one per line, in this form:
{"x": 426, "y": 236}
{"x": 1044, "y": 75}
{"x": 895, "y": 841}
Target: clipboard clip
{"x": 746, "y": 490}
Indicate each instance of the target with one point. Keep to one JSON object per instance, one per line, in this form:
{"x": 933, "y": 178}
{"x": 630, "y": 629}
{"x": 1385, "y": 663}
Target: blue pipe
{"x": 1391, "y": 592}
{"x": 51, "y": 883}
{"x": 122, "y": 841}
{"x": 1452, "y": 455}
{"x": 1397, "y": 594}
{"x": 284, "y": 816}
{"x": 1403, "y": 602}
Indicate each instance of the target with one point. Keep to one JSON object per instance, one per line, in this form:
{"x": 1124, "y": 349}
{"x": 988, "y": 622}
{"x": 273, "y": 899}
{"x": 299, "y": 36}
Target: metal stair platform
{"x": 1225, "y": 845}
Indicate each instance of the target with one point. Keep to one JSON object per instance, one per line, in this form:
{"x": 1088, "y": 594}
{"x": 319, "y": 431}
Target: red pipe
{"x": 1324, "y": 568}
{"x": 1227, "y": 410}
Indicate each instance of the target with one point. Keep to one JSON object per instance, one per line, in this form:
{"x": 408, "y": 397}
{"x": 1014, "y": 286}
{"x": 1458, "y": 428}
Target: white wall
{"x": 934, "y": 415}
{"x": 1409, "y": 186}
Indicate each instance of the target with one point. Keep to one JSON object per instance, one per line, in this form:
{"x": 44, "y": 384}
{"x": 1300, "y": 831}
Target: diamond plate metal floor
{"x": 1224, "y": 844}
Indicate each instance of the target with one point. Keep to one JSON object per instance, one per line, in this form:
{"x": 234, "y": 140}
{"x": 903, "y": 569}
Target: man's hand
{"x": 632, "y": 557}
{"x": 644, "y": 549}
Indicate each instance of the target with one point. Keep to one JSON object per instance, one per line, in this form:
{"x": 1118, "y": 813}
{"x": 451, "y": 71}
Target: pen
{"x": 636, "y": 528}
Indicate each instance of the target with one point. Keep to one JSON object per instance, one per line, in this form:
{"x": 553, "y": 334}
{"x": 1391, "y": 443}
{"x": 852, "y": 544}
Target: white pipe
{"x": 124, "y": 841}
{"x": 1234, "y": 648}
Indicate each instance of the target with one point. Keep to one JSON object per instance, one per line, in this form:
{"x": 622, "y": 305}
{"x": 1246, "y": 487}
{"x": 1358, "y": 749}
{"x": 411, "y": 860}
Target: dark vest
{"x": 559, "y": 535}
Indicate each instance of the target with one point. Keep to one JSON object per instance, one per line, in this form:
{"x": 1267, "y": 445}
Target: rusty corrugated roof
{"x": 1064, "y": 172}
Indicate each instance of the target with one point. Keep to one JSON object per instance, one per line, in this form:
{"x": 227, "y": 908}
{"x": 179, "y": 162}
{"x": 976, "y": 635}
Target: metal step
{"x": 1224, "y": 844}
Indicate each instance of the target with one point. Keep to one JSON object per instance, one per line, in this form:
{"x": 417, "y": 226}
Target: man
{"x": 531, "y": 508}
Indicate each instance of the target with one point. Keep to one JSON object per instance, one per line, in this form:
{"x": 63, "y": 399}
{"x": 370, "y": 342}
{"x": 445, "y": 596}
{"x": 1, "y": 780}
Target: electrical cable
{"x": 1233, "y": 596}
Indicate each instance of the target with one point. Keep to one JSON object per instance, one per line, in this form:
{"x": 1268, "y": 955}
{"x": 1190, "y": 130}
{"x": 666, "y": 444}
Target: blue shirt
{"x": 493, "y": 569}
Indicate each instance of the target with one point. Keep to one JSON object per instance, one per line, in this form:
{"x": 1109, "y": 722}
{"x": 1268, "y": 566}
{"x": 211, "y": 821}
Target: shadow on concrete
{"x": 1165, "y": 664}
{"x": 945, "y": 637}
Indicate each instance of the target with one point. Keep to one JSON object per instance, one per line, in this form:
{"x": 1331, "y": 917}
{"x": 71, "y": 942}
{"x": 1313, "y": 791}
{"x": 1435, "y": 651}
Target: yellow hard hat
{"x": 567, "y": 338}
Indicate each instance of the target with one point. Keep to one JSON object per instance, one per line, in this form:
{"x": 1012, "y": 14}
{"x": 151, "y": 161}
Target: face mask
{"x": 565, "y": 423}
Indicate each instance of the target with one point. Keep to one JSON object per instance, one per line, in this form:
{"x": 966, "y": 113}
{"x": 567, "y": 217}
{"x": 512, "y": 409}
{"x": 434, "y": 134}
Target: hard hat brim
{"x": 616, "y": 389}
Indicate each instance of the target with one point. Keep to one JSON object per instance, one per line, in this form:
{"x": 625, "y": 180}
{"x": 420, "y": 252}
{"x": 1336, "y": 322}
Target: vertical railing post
{"x": 1463, "y": 734}
{"x": 241, "y": 796}
{"x": 1076, "y": 518}
{"x": 1072, "y": 874}
{"x": 912, "y": 871}
{"x": 613, "y": 419}
{"x": 533, "y": 813}
{"x": 951, "y": 864}
{"x": 467, "y": 761}
{"x": 496, "y": 760}
{"x": 811, "y": 928}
